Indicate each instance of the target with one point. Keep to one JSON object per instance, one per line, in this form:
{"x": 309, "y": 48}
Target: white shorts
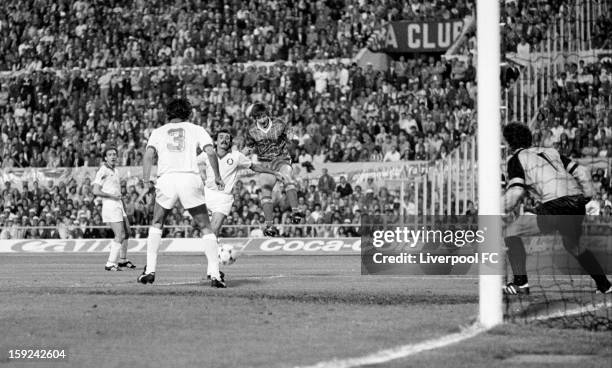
{"x": 186, "y": 187}
{"x": 217, "y": 201}
{"x": 112, "y": 211}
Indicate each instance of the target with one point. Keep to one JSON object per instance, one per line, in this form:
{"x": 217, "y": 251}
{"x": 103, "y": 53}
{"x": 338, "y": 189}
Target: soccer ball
{"x": 227, "y": 254}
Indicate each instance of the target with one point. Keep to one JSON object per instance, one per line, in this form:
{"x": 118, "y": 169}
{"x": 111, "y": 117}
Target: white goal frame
{"x": 488, "y": 146}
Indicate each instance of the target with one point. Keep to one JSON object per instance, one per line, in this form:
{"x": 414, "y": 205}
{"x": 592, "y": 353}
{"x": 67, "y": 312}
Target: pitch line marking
{"x": 572, "y": 312}
{"x": 403, "y": 351}
{"x": 201, "y": 281}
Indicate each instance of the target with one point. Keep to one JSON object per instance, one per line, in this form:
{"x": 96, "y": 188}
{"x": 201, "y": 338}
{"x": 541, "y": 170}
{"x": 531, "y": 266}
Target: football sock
{"x": 123, "y": 250}
{"x": 114, "y": 253}
{"x": 268, "y": 209}
{"x": 292, "y": 196}
{"x": 590, "y": 264}
{"x": 211, "y": 249}
{"x": 518, "y": 259}
{"x": 153, "y": 241}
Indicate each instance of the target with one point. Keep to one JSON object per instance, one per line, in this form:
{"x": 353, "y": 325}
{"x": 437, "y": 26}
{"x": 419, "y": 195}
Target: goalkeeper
{"x": 563, "y": 188}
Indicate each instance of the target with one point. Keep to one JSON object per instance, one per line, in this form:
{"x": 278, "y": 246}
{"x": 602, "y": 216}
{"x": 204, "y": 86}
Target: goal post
{"x": 488, "y": 147}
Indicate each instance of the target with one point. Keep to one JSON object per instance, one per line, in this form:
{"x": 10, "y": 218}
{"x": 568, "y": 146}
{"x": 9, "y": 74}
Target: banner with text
{"x": 355, "y": 172}
{"x": 409, "y": 36}
{"x": 248, "y": 246}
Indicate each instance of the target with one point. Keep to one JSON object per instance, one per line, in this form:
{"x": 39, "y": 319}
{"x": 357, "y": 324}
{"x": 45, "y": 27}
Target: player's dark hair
{"x": 226, "y": 131}
{"x": 108, "y": 149}
{"x": 258, "y": 110}
{"x": 178, "y": 108}
{"x": 518, "y": 136}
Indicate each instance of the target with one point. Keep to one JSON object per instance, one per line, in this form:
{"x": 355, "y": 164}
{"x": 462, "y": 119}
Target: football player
{"x": 220, "y": 201}
{"x": 106, "y": 185}
{"x": 269, "y": 139}
{"x": 176, "y": 145}
{"x": 563, "y": 188}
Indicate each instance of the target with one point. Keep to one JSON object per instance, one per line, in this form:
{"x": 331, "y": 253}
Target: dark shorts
{"x": 565, "y": 215}
{"x": 276, "y": 164}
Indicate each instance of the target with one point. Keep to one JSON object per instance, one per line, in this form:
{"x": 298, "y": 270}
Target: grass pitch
{"x": 279, "y": 311}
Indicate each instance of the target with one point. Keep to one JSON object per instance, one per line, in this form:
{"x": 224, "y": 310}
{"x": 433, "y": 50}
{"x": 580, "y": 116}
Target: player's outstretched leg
{"x": 570, "y": 228}
{"x": 115, "y": 247}
{"x": 211, "y": 248}
{"x": 296, "y": 215}
{"x": 592, "y": 266}
{"x": 267, "y": 205}
{"x": 518, "y": 260}
{"x": 124, "y": 262}
{"x": 153, "y": 241}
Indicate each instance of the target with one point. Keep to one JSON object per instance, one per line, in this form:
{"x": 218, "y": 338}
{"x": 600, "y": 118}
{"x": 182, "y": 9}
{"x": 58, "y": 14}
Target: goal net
{"x": 561, "y": 294}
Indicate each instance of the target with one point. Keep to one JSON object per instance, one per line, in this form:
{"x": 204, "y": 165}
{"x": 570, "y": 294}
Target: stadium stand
{"x": 66, "y": 210}
{"x": 420, "y": 109}
{"x": 332, "y": 107}
{"x": 99, "y": 34}
{"x": 70, "y": 94}
{"x": 576, "y": 117}
{"x": 526, "y": 23}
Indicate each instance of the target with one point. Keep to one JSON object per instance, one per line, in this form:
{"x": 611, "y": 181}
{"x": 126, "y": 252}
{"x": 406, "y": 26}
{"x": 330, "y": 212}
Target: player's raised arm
{"x": 581, "y": 174}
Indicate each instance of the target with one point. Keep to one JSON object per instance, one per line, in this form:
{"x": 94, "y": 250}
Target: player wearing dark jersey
{"x": 563, "y": 188}
{"x": 269, "y": 139}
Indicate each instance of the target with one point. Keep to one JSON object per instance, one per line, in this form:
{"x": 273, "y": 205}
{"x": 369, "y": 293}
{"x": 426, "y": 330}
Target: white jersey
{"x": 176, "y": 145}
{"x": 108, "y": 180}
{"x": 229, "y": 166}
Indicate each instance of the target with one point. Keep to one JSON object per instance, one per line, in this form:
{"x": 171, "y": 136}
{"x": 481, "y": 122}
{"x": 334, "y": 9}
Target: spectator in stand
{"x": 326, "y": 182}
{"x": 344, "y": 188}
{"x": 392, "y": 155}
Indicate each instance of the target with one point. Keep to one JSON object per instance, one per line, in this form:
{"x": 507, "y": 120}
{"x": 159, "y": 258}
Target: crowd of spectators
{"x": 526, "y": 22}
{"x": 64, "y": 103}
{"x": 67, "y": 210}
{"x": 96, "y": 34}
{"x": 418, "y": 109}
{"x": 576, "y": 117}
{"x": 35, "y": 34}
{"x": 602, "y": 31}
{"x": 91, "y": 34}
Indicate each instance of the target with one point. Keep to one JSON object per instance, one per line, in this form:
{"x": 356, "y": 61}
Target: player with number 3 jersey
{"x": 176, "y": 145}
